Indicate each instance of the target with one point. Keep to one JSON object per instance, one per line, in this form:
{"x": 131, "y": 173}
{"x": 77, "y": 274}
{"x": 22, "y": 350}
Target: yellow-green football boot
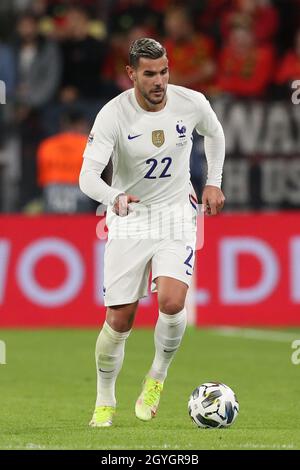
{"x": 148, "y": 401}
{"x": 102, "y": 417}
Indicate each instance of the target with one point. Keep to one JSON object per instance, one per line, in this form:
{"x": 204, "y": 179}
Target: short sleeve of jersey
{"x": 103, "y": 136}
{"x": 208, "y": 124}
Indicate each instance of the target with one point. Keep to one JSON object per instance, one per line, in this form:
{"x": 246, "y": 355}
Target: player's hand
{"x": 213, "y": 200}
{"x": 120, "y": 206}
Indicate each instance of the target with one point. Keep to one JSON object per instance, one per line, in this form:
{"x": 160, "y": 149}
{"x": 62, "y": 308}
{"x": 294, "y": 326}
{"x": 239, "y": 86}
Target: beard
{"x": 152, "y": 99}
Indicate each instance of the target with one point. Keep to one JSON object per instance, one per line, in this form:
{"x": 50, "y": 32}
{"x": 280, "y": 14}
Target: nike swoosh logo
{"x": 106, "y": 371}
{"x": 170, "y": 350}
{"x": 130, "y": 137}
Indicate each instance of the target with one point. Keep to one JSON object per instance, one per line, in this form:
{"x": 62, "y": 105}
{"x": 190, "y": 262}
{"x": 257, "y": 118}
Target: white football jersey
{"x": 151, "y": 150}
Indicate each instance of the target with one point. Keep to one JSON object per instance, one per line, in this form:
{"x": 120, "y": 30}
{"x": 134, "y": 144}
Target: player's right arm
{"x": 91, "y": 183}
{"x": 99, "y": 148}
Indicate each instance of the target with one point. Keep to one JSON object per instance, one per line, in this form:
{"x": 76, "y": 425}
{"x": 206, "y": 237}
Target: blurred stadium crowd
{"x": 62, "y": 60}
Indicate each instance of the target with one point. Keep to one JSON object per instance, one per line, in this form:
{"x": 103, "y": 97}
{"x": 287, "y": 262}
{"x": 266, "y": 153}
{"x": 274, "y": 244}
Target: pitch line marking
{"x": 256, "y": 334}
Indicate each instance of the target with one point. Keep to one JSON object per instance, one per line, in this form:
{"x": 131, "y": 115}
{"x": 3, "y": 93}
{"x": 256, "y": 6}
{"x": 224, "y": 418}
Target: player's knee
{"x": 119, "y": 324}
{"x": 170, "y": 306}
{"x": 120, "y": 320}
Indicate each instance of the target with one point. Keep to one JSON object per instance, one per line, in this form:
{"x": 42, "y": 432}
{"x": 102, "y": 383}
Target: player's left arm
{"x": 213, "y": 198}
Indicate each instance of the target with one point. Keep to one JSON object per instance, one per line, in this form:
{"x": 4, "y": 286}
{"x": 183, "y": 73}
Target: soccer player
{"x": 148, "y": 132}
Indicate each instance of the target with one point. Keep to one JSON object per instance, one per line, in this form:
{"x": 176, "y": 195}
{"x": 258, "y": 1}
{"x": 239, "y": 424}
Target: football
{"x": 213, "y": 405}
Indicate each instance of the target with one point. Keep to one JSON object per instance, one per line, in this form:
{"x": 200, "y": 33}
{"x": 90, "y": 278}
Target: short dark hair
{"x": 145, "y": 47}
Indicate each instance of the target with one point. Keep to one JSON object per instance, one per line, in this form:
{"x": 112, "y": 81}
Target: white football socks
{"x": 168, "y": 333}
{"x": 110, "y": 347}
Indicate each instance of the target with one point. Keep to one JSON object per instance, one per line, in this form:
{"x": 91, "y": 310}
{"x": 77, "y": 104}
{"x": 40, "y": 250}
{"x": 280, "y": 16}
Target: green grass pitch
{"x": 48, "y": 392}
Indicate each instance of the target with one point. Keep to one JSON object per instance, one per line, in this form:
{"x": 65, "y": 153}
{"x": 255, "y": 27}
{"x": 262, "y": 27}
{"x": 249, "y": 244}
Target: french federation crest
{"x": 158, "y": 138}
{"x": 181, "y": 129}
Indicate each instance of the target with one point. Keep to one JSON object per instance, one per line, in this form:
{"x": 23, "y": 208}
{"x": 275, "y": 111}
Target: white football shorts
{"x": 128, "y": 262}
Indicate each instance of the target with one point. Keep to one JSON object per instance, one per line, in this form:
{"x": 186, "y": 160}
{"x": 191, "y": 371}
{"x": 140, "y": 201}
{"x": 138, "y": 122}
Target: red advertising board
{"x": 51, "y": 273}
{"x": 247, "y": 273}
